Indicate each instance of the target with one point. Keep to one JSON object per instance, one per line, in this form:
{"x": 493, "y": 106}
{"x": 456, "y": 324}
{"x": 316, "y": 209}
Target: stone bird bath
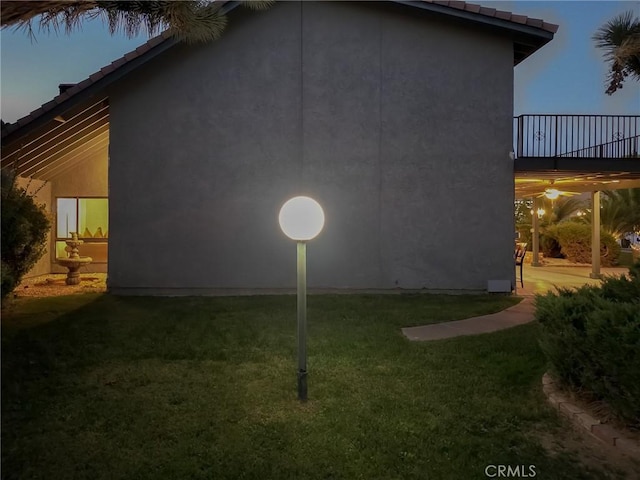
{"x": 74, "y": 261}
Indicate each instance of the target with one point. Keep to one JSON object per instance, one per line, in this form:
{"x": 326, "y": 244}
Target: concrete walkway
{"x": 536, "y": 280}
{"x": 517, "y": 315}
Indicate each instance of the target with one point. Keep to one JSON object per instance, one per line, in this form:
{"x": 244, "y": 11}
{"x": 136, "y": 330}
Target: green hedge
{"x": 591, "y": 338}
{"x": 574, "y": 243}
{"x": 24, "y": 232}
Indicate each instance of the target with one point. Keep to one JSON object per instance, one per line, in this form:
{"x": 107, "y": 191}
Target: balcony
{"x": 578, "y": 152}
{"x": 576, "y": 142}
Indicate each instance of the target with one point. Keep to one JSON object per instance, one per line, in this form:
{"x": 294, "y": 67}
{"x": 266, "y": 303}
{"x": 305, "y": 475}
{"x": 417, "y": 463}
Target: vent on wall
{"x": 499, "y": 286}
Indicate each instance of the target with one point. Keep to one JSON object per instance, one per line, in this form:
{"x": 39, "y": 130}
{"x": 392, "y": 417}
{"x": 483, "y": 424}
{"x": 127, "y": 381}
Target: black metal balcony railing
{"x": 580, "y": 136}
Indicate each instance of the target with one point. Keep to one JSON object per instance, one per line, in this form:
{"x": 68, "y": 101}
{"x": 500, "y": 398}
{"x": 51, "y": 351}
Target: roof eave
{"x": 523, "y": 35}
{"x": 90, "y": 91}
{"x": 14, "y": 131}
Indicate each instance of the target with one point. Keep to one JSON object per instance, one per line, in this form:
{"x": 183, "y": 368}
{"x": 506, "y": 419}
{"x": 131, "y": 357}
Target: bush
{"x": 549, "y": 243}
{"x": 591, "y": 338}
{"x": 574, "y": 243}
{"x": 24, "y": 232}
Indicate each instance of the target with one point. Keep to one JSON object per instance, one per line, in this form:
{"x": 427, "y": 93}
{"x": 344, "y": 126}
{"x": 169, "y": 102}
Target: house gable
{"x": 527, "y": 34}
{"x": 357, "y": 105}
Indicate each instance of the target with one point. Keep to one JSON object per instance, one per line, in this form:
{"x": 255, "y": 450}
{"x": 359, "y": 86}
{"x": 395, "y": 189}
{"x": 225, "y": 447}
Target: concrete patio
{"x": 545, "y": 278}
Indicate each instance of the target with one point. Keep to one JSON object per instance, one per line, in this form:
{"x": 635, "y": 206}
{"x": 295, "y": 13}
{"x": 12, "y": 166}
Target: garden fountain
{"x": 74, "y": 261}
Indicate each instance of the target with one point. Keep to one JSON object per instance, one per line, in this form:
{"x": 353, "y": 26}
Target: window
{"x": 87, "y": 216}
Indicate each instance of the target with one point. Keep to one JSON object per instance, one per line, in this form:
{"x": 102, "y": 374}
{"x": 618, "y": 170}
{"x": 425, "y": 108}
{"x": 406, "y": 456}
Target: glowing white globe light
{"x": 301, "y": 218}
{"x": 551, "y": 193}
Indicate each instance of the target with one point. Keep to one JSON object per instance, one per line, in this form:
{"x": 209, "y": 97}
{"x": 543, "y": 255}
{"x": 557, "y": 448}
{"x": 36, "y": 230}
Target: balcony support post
{"x": 595, "y": 235}
{"x": 535, "y": 237}
{"x": 519, "y": 153}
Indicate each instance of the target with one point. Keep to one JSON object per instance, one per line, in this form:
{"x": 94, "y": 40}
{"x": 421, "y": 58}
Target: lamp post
{"x": 301, "y": 219}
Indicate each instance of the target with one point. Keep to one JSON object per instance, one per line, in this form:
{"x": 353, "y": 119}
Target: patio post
{"x": 535, "y": 237}
{"x": 595, "y": 235}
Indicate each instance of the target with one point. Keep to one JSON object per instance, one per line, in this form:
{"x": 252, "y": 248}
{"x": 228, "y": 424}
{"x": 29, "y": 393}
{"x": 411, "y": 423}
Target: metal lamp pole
{"x": 302, "y": 321}
{"x": 301, "y": 219}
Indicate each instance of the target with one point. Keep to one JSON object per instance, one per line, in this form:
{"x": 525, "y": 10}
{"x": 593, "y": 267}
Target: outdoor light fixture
{"x": 301, "y": 219}
{"x": 540, "y": 212}
{"x": 552, "y": 193}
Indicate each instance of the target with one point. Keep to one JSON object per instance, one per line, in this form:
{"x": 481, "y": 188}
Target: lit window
{"x": 89, "y": 217}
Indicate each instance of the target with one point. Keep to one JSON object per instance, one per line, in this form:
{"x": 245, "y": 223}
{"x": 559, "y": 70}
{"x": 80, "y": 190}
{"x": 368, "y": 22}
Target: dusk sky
{"x": 566, "y": 76}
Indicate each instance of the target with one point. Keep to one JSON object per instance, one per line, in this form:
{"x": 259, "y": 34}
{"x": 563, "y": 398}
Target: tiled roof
{"x": 499, "y": 14}
{"x": 141, "y": 50}
{"x": 77, "y": 88}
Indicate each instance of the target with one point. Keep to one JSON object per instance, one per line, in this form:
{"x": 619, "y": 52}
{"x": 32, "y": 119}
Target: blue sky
{"x": 566, "y": 76}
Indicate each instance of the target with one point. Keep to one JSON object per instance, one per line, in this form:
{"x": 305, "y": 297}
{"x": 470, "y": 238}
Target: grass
{"x": 626, "y": 258}
{"x": 105, "y": 387}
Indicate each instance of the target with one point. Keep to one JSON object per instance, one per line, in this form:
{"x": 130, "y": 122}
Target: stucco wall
{"x": 41, "y": 193}
{"x": 399, "y": 125}
{"x": 87, "y": 179}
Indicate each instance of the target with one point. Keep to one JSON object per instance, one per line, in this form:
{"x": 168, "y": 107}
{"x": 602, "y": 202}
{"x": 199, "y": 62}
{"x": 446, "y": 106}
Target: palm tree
{"x": 620, "y": 40}
{"x": 189, "y": 20}
{"x": 564, "y": 208}
{"x": 620, "y": 212}
{"x": 627, "y": 203}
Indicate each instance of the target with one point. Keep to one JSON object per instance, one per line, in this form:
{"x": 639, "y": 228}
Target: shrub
{"x": 625, "y": 288}
{"x": 591, "y": 338}
{"x": 24, "y": 232}
{"x": 549, "y": 243}
{"x": 574, "y": 243}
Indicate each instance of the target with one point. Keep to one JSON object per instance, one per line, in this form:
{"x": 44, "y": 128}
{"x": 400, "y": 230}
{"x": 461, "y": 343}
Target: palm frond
{"x": 564, "y": 208}
{"x": 16, "y": 13}
{"x": 620, "y": 212}
{"x": 54, "y": 14}
{"x": 132, "y": 17}
{"x": 628, "y": 54}
{"x": 197, "y": 21}
{"x": 258, "y": 4}
{"x": 619, "y": 38}
{"x": 613, "y": 33}
{"x": 189, "y": 20}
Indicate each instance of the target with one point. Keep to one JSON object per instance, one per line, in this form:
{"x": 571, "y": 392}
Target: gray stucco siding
{"x": 341, "y": 80}
{"x": 399, "y": 126}
{"x": 445, "y": 142}
{"x": 208, "y": 142}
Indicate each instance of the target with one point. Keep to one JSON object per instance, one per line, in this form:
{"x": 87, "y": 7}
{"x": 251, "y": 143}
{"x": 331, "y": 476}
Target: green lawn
{"x": 104, "y": 387}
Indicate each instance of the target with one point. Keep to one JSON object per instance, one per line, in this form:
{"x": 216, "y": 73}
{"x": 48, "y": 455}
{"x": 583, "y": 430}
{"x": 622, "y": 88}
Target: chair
{"x": 520, "y": 252}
